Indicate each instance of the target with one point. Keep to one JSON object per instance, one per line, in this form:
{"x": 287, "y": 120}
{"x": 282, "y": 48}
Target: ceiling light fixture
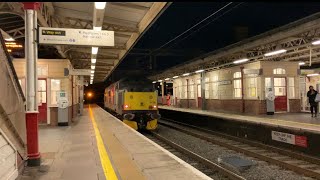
{"x": 92, "y": 71}
{"x": 315, "y": 74}
{"x": 93, "y": 61}
{"x": 93, "y": 66}
{"x": 94, "y": 50}
{"x": 97, "y": 28}
{"x": 199, "y": 71}
{"x": 154, "y": 82}
{"x": 175, "y": 77}
{"x": 167, "y": 79}
{"x": 100, "y": 5}
{"x": 240, "y": 61}
{"x": 275, "y": 52}
{"x": 186, "y": 74}
{"x": 302, "y": 63}
{"x": 317, "y": 42}
{"x": 9, "y": 39}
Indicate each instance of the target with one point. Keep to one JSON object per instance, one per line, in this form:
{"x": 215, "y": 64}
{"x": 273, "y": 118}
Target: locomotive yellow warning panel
{"x": 140, "y": 101}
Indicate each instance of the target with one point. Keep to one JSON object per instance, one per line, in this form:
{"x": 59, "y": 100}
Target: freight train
{"x": 134, "y": 100}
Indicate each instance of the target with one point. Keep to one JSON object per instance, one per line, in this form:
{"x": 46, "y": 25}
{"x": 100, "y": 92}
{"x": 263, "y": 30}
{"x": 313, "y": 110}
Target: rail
{"x": 299, "y": 163}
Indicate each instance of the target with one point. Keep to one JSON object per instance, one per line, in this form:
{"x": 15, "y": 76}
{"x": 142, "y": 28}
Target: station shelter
{"x": 241, "y": 88}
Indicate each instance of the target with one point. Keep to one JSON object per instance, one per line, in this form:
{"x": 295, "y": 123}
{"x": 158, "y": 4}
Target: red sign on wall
{"x": 301, "y": 141}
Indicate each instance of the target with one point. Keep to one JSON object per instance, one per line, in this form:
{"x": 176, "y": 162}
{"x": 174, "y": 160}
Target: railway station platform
{"x": 99, "y": 146}
{"x": 296, "y": 121}
{"x": 294, "y": 131}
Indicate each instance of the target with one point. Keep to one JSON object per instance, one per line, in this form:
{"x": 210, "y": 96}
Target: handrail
{"x": 9, "y": 60}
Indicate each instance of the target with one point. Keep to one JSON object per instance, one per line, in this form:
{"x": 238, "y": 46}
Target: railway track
{"x": 299, "y": 163}
{"x": 204, "y": 165}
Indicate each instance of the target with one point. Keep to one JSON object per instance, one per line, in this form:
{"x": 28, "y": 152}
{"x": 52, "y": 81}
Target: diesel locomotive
{"x": 134, "y": 100}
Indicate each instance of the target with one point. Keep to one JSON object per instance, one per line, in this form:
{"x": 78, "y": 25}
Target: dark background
{"x": 232, "y": 24}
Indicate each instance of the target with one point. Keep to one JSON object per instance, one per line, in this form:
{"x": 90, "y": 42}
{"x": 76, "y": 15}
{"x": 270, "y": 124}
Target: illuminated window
{"x": 191, "y": 91}
{"x": 206, "y": 88}
{"x": 279, "y": 71}
{"x": 291, "y": 87}
{"x": 55, "y": 87}
{"x": 252, "y": 87}
{"x": 237, "y": 75}
{"x": 215, "y": 87}
{"x": 237, "y": 85}
{"x": 279, "y": 86}
{"x": 42, "y": 91}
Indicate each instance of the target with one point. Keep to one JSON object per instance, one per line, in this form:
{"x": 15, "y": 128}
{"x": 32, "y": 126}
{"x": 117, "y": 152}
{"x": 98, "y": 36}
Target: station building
{"x": 53, "y": 76}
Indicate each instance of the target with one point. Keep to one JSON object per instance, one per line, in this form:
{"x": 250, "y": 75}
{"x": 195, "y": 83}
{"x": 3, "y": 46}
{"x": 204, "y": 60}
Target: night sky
{"x": 257, "y": 17}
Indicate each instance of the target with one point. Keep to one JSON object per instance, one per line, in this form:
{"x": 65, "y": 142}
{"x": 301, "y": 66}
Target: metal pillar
{"x": 242, "y": 90}
{"x": 81, "y": 95}
{"x": 203, "y": 90}
{"x": 31, "y": 54}
{"x": 162, "y": 92}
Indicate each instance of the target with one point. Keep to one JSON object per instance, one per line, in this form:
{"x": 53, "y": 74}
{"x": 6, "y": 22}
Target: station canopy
{"x": 128, "y": 20}
{"x": 298, "y": 41}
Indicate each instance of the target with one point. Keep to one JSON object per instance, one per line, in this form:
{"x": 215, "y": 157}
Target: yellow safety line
{"x": 104, "y": 158}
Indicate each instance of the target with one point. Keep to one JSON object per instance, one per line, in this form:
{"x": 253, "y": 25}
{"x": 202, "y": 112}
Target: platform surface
{"x": 296, "y": 121}
{"x": 77, "y": 153}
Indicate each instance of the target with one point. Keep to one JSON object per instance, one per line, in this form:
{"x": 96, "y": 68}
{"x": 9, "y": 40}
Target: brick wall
{"x": 295, "y": 105}
{"x": 183, "y": 103}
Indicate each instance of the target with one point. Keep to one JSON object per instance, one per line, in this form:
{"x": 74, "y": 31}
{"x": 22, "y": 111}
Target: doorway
{"x": 280, "y": 92}
{"x": 42, "y": 100}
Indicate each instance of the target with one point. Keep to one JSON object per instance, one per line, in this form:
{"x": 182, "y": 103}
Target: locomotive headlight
{"x": 155, "y": 116}
{"x": 153, "y": 107}
{"x": 128, "y": 116}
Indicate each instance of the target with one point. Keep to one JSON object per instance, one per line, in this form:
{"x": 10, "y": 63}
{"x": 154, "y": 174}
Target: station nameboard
{"x": 80, "y": 72}
{"x": 84, "y": 37}
{"x": 252, "y": 71}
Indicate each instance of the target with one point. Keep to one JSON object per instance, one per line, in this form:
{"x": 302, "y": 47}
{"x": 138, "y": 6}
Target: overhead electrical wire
{"x": 214, "y": 13}
{"x": 195, "y": 25}
{"x": 197, "y": 30}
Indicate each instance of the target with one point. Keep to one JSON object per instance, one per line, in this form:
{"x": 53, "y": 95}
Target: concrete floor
{"x": 67, "y": 153}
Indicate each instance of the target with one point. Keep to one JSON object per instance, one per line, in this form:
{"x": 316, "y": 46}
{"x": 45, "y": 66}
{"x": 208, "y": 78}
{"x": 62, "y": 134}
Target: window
{"x": 279, "y": 71}
{"x": 252, "y": 87}
{"x": 191, "y": 91}
{"x": 215, "y": 88}
{"x": 237, "y": 75}
{"x": 185, "y": 93}
{"x": 291, "y": 87}
{"x": 206, "y": 88}
{"x": 42, "y": 91}
{"x": 55, "y": 87}
{"x": 268, "y": 82}
{"x": 237, "y": 88}
{"x": 237, "y": 84}
{"x": 280, "y": 86}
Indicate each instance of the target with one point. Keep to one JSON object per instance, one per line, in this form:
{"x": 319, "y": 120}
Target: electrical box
{"x": 62, "y": 100}
{"x": 270, "y": 101}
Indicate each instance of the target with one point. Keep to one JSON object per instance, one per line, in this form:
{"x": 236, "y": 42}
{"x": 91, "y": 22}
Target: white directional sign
{"x": 84, "y": 37}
